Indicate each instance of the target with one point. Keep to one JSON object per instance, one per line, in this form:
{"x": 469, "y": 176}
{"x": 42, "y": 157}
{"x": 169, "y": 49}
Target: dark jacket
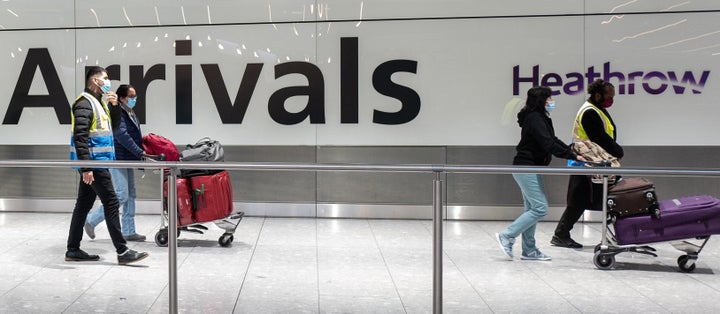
{"x": 127, "y": 134}
{"x": 538, "y": 141}
{"x": 83, "y": 115}
{"x": 595, "y": 129}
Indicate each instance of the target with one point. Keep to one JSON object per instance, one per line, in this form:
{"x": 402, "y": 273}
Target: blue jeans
{"x": 536, "y": 206}
{"x": 124, "y": 182}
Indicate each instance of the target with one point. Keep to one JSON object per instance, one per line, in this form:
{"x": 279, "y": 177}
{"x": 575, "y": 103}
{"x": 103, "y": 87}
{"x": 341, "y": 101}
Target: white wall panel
{"x": 36, "y": 14}
{"x": 464, "y": 76}
{"x": 382, "y": 9}
{"x": 184, "y": 12}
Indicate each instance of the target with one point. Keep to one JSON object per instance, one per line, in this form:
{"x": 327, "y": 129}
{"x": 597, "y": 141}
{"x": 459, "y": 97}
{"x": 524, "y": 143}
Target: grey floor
{"x": 340, "y": 266}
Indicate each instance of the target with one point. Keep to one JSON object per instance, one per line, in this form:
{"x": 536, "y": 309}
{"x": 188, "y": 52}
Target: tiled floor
{"x": 340, "y": 266}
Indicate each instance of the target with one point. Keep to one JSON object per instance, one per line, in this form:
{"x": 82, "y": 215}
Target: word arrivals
{"x": 233, "y": 112}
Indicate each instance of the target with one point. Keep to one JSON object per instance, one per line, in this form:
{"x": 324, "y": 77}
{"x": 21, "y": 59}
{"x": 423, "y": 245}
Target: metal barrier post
{"x": 172, "y": 240}
{"x": 437, "y": 244}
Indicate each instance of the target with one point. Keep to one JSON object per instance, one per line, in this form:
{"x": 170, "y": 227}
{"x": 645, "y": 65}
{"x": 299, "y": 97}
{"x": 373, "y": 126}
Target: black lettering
{"x": 349, "y": 80}
{"x": 315, "y": 91}
{"x": 232, "y": 112}
{"x": 140, "y": 82}
{"x": 410, "y": 100}
{"x": 56, "y": 98}
{"x": 183, "y": 94}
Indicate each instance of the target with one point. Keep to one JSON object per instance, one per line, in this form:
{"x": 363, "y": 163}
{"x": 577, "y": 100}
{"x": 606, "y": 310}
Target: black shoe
{"x": 80, "y": 256}
{"x": 135, "y": 237}
{"x": 565, "y": 242}
{"x": 131, "y": 256}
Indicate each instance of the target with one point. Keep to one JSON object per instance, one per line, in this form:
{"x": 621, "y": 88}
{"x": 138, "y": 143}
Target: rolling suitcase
{"x": 682, "y": 218}
{"x": 212, "y": 196}
{"x": 631, "y": 197}
{"x": 184, "y": 201}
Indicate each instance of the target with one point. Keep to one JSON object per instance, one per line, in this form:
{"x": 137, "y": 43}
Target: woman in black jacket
{"x": 537, "y": 145}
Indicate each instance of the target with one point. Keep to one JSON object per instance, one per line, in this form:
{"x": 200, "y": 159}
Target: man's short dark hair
{"x": 92, "y": 71}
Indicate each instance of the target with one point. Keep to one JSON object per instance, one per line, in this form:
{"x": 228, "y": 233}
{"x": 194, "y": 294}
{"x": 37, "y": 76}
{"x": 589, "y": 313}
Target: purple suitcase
{"x": 680, "y": 218}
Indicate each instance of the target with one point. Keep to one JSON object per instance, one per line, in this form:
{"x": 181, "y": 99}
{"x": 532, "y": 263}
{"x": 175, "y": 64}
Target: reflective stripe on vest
{"x": 579, "y": 133}
{"x": 100, "y": 135}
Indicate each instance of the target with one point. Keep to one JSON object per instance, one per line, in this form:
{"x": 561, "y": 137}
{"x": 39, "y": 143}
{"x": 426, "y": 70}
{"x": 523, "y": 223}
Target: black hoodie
{"x": 538, "y": 141}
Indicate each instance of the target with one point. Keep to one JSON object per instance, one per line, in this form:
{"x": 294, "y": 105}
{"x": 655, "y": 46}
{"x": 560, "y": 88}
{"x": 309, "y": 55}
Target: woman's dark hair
{"x": 122, "y": 91}
{"x": 536, "y": 98}
{"x": 598, "y": 87}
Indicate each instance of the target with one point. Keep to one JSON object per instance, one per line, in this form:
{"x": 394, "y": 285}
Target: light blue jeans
{"x": 124, "y": 183}
{"x": 536, "y": 206}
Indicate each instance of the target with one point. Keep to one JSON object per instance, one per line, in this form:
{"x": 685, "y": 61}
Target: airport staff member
{"x": 592, "y": 122}
{"x": 92, "y": 139}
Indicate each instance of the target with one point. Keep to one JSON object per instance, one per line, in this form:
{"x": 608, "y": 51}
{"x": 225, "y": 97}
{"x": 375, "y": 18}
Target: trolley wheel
{"x": 161, "y": 237}
{"x": 686, "y": 263}
{"x": 604, "y": 261}
{"x": 226, "y": 239}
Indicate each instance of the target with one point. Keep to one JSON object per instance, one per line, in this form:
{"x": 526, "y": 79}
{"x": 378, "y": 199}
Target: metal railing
{"x": 437, "y": 191}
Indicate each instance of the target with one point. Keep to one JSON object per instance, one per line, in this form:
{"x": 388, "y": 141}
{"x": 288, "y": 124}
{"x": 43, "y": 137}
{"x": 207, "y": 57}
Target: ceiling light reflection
{"x": 157, "y": 15}
{"x": 362, "y": 4}
{"x": 684, "y": 40}
{"x": 182, "y": 10}
{"x": 127, "y": 17}
{"x": 675, "y": 6}
{"x": 650, "y": 31}
{"x": 208, "y": 13}
{"x": 13, "y": 13}
{"x": 97, "y": 20}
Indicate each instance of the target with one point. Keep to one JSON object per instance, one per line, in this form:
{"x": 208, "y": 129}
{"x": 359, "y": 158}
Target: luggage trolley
{"x": 609, "y": 246}
{"x": 229, "y": 223}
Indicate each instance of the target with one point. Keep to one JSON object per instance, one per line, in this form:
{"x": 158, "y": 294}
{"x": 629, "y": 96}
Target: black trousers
{"x": 102, "y": 187}
{"x": 582, "y": 194}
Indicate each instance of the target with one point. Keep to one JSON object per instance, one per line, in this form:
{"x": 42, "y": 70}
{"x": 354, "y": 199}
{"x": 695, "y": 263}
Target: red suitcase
{"x": 213, "y": 196}
{"x": 184, "y": 201}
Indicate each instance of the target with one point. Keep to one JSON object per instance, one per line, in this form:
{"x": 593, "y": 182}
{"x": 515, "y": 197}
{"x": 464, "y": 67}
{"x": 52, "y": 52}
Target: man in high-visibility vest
{"x": 92, "y": 139}
{"x": 592, "y": 122}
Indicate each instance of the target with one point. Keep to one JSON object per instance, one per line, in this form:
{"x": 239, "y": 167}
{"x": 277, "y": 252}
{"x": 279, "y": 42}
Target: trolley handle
{"x": 150, "y": 157}
{"x": 601, "y": 163}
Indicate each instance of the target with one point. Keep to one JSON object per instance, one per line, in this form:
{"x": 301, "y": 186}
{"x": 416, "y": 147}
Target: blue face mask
{"x": 550, "y": 106}
{"x": 106, "y": 86}
{"x": 131, "y": 102}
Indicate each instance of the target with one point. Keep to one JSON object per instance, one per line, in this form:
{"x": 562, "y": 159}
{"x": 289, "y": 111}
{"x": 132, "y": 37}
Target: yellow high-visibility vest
{"x": 579, "y": 133}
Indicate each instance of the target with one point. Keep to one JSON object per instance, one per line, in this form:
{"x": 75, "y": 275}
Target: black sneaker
{"x": 565, "y": 242}
{"x": 131, "y": 256}
{"x": 135, "y": 237}
{"x": 80, "y": 256}
{"x": 90, "y": 230}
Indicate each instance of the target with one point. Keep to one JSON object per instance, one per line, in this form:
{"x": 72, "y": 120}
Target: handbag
{"x": 596, "y": 155}
{"x": 205, "y": 149}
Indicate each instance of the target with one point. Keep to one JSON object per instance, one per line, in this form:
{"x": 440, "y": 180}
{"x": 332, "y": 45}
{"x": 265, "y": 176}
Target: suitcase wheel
{"x": 610, "y": 204}
{"x": 649, "y": 196}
